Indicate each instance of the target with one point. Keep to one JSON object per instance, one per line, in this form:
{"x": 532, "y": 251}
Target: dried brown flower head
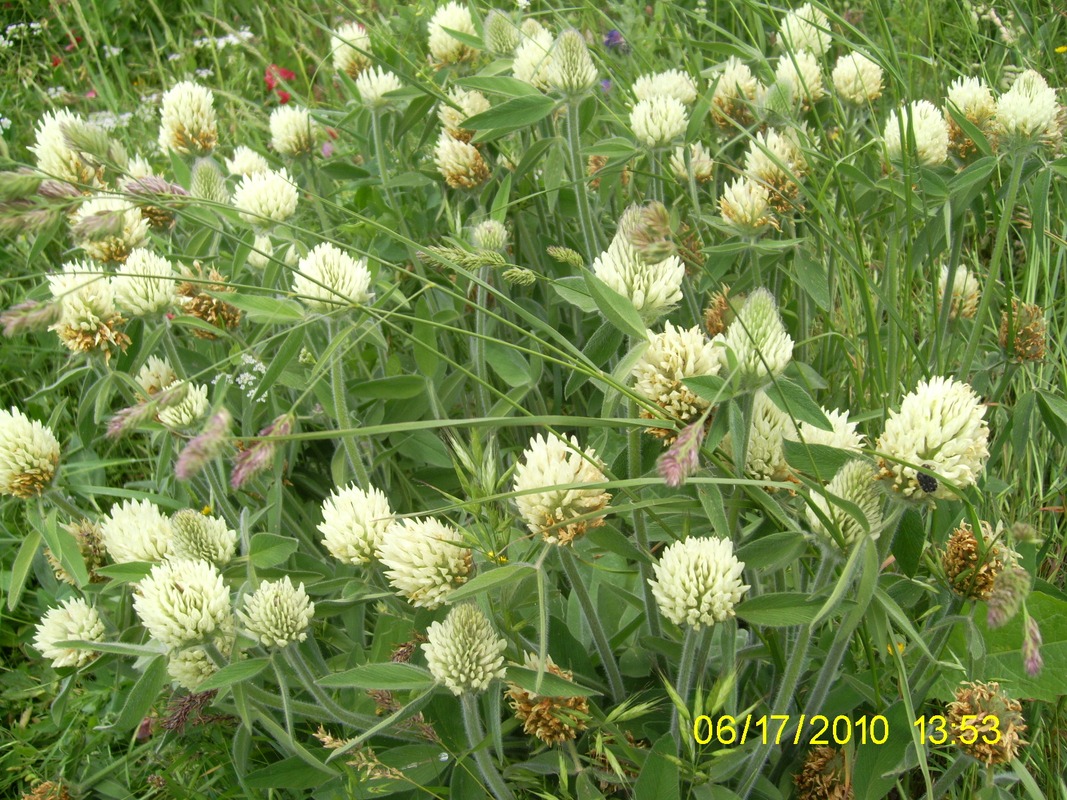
{"x": 971, "y": 571}
{"x": 202, "y": 305}
{"x": 1022, "y": 332}
{"x": 824, "y": 776}
{"x": 998, "y": 720}
{"x": 553, "y": 720}
{"x": 718, "y": 315}
{"x": 48, "y": 791}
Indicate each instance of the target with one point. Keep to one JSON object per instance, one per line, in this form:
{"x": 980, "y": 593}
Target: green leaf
{"x": 618, "y": 310}
{"x": 909, "y": 541}
{"x": 660, "y": 775}
{"x": 1054, "y": 412}
{"x": 141, "y": 696}
{"x": 490, "y": 579}
{"x": 778, "y": 610}
{"x": 508, "y": 363}
{"x": 20, "y": 570}
{"x": 812, "y": 277}
{"x": 127, "y": 572}
{"x": 65, "y": 548}
{"x": 263, "y": 309}
{"x": 518, "y": 112}
{"x": 396, "y": 387}
{"x": 387, "y": 676}
{"x": 533, "y": 154}
{"x": 270, "y": 549}
{"x": 510, "y": 87}
{"x": 292, "y": 774}
{"x": 574, "y": 291}
{"x": 602, "y": 345}
{"x": 818, "y": 460}
{"x": 234, "y": 673}
{"x": 615, "y": 147}
{"x": 551, "y": 685}
{"x": 290, "y": 349}
{"x": 797, "y": 403}
{"x": 774, "y": 551}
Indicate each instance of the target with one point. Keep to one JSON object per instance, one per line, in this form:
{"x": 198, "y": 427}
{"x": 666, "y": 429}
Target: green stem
{"x": 633, "y": 457}
{"x": 481, "y": 367}
{"x": 684, "y": 682}
{"x": 490, "y": 774}
{"x": 574, "y": 151}
{"x": 340, "y": 407}
{"x": 600, "y": 638}
{"x": 307, "y": 681}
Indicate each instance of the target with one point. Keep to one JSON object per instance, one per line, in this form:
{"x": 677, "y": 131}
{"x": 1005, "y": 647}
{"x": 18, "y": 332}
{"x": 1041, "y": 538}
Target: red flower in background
{"x": 274, "y": 73}
{"x": 283, "y": 96}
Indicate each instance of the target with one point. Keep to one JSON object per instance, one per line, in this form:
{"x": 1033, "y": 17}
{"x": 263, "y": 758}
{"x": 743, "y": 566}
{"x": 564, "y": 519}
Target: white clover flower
{"x": 108, "y": 227}
{"x": 184, "y": 602}
{"x": 292, "y": 131}
{"x": 187, "y": 412}
{"x": 351, "y": 44}
{"x": 533, "y": 58}
{"x": 765, "y": 456}
{"x": 424, "y": 560}
{"x": 354, "y": 523}
{"x": 501, "y": 35}
{"x": 263, "y": 198}
{"x": 444, "y": 47}
{"x": 801, "y": 73}
{"x": 776, "y": 159}
{"x": 964, "y": 294}
{"x": 262, "y": 250}
{"x": 1028, "y": 110}
{"x": 246, "y": 161}
{"x": 758, "y": 340}
{"x": 856, "y": 483}
{"x": 671, "y": 357}
{"x": 156, "y": 375}
{"x": 190, "y": 667}
{"x": 857, "y": 79}
{"x": 927, "y": 126}
{"x": 806, "y": 29}
{"x": 571, "y": 70}
{"x": 202, "y": 536}
{"x": 555, "y": 465}
{"x": 939, "y": 430}
{"x": 843, "y": 435}
{"x": 145, "y": 284}
{"x": 72, "y": 619}
{"x": 88, "y": 316}
{"x": 136, "y": 531}
{"x": 654, "y": 289}
{"x": 373, "y": 83}
{"x": 460, "y": 163}
{"x": 328, "y": 277}
{"x": 672, "y": 83}
{"x": 490, "y": 235}
{"x": 735, "y": 91}
{"x": 467, "y": 104}
{"x": 277, "y": 613}
{"x": 29, "y": 454}
{"x": 745, "y": 206}
{"x": 659, "y": 120}
{"x": 55, "y": 157}
{"x": 464, "y": 652}
{"x": 188, "y": 120}
{"x": 698, "y": 581}
{"x": 973, "y": 99}
{"x": 700, "y": 161}
{"x": 139, "y": 168}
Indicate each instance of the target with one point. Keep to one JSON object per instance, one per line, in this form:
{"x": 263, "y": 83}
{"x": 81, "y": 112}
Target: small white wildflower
{"x": 672, "y": 83}
{"x": 354, "y": 523}
{"x": 351, "y": 44}
{"x": 186, "y": 413}
{"x": 1028, "y": 111}
{"x": 444, "y": 47}
{"x": 202, "y": 536}
{"x": 698, "y": 581}
{"x": 533, "y": 58}
{"x": 461, "y": 164}
{"x": 659, "y": 120}
{"x": 292, "y": 131}
{"x": 464, "y": 652}
{"x": 372, "y": 84}
{"x": 155, "y": 375}
{"x": 745, "y": 206}
{"x": 855, "y": 483}
{"x": 29, "y": 454}
{"x": 266, "y": 197}
{"x": 571, "y": 71}
{"x": 467, "y": 104}
{"x": 145, "y": 284}
{"x": 964, "y": 294}
{"x": 55, "y": 158}
{"x": 806, "y": 29}
{"x": 842, "y": 435}
{"x": 735, "y": 91}
{"x": 136, "y": 531}
{"x": 758, "y": 340}
{"x": 188, "y": 120}
{"x": 424, "y": 560}
{"x": 184, "y": 602}
{"x": 327, "y": 277}
{"x": 801, "y": 73}
{"x": 671, "y": 357}
{"x": 857, "y": 79}
{"x": 654, "y": 289}
{"x": 109, "y": 227}
{"x": 277, "y": 613}
{"x": 246, "y": 161}
{"x": 928, "y": 128}
{"x": 72, "y": 619}
{"x": 700, "y": 161}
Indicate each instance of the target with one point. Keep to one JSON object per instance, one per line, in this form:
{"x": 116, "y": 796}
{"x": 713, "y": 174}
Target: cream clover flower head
{"x": 372, "y": 85}
{"x": 246, "y": 161}
{"x": 145, "y": 283}
{"x": 72, "y": 619}
{"x": 29, "y": 454}
{"x": 328, "y": 277}
{"x": 698, "y": 582}
{"x": 55, "y": 157}
{"x": 467, "y": 104}
{"x": 1028, "y": 111}
{"x": 501, "y": 35}
{"x": 927, "y": 126}
{"x": 765, "y": 456}
{"x": 264, "y": 198}
{"x": 856, "y": 482}
{"x": 758, "y": 340}
{"x": 292, "y": 131}
{"x": 745, "y": 206}
{"x": 188, "y": 411}
{"x": 700, "y": 161}
{"x": 659, "y": 120}
{"x": 805, "y": 29}
{"x": 424, "y": 560}
{"x": 571, "y": 71}
{"x": 490, "y": 235}
{"x": 355, "y": 523}
{"x": 972, "y": 98}
{"x": 843, "y": 435}
{"x": 202, "y": 536}
{"x": 192, "y": 666}
{"x": 563, "y": 510}
{"x": 533, "y": 58}
{"x": 156, "y": 375}
{"x": 464, "y": 652}
{"x": 964, "y": 294}
{"x": 88, "y": 317}
{"x": 262, "y": 251}
{"x": 136, "y": 531}
{"x": 654, "y": 289}
{"x": 277, "y": 613}
{"x": 672, "y": 83}
{"x": 444, "y": 47}
{"x": 857, "y": 79}
{"x": 139, "y": 167}
{"x": 351, "y": 44}
{"x": 672, "y": 356}
{"x": 188, "y": 120}
{"x": 108, "y": 227}
{"x": 735, "y": 91}
{"x": 184, "y": 602}
{"x": 936, "y": 442}
{"x": 775, "y": 159}
{"x": 801, "y": 73}
{"x": 461, "y": 164}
